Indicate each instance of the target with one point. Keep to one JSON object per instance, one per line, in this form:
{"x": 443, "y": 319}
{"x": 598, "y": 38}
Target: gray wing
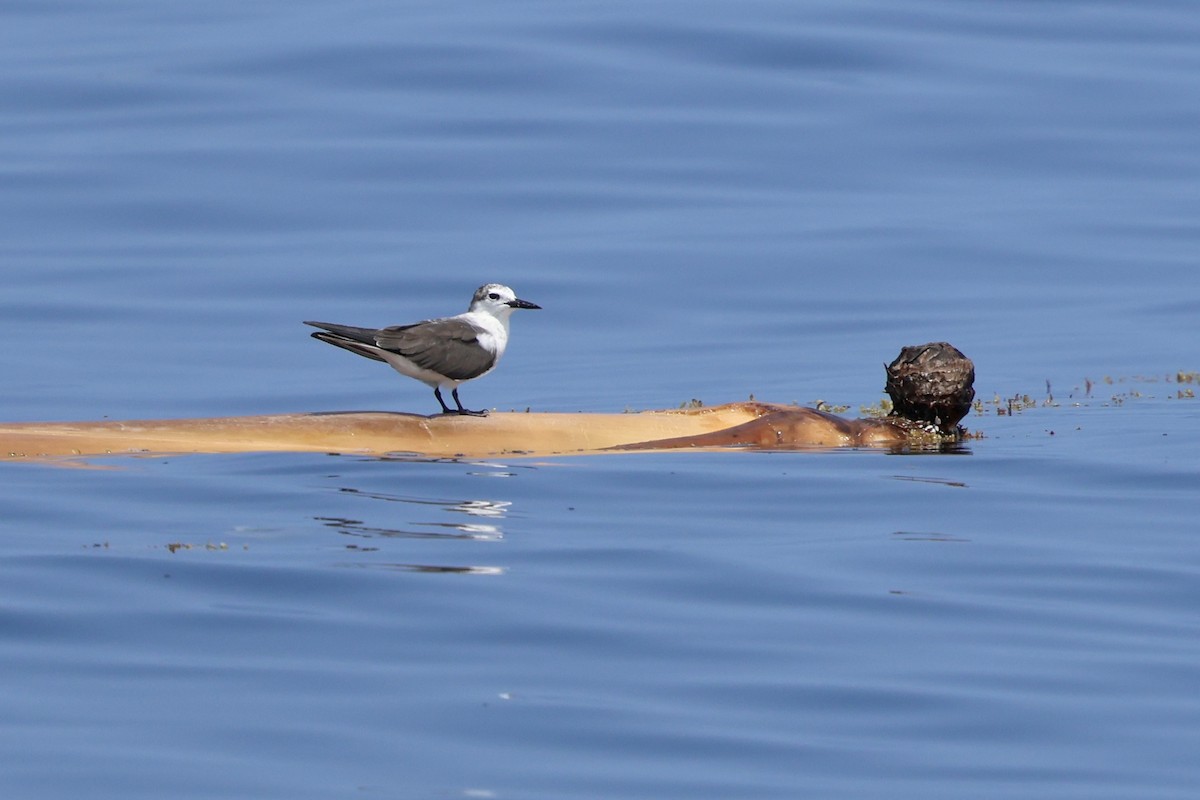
{"x": 448, "y": 347}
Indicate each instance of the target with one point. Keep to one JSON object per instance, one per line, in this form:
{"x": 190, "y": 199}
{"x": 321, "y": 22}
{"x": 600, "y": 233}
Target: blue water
{"x": 710, "y": 200}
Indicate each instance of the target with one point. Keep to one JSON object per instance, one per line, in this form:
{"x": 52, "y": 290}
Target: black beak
{"x": 522, "y": 304}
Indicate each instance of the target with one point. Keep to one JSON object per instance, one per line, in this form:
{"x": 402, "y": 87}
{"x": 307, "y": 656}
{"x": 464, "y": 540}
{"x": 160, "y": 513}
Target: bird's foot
{"x": 464, "y": 412}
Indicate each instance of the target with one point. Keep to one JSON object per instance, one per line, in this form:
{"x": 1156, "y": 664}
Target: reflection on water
{"x": 407, "y": 517}
{"x": 924, "y": 479}
{"x": 355, "y": 527}
{"x": 429, "y": 568}
{"x": 493, "y": 470}
{"x": 927, "y": 536}
{"x": 476, "y": 508}
{"x": 479, "y": 531}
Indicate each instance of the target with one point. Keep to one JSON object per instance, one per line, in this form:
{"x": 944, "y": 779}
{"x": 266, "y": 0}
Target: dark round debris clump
{"x": 931, "y": 383}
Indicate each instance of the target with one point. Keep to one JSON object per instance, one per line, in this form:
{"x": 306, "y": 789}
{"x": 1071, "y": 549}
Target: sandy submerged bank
{"x": 502, "y": 433}
{"x": 931, "y": 387}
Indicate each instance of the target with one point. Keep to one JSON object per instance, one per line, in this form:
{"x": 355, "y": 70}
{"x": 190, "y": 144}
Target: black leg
{"x": 462, "y": 410}
{"x": 437, "y": 392}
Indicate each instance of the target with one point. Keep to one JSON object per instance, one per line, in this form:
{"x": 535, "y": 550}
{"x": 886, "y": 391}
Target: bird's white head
{"x": 498, "y": 300}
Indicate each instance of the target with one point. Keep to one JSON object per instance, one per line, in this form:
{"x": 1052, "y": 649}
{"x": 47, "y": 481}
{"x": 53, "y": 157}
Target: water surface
{"x": 710, "y": 200}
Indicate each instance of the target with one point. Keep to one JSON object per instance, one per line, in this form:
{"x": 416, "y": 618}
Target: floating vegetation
{"x": 1080, "y": 395}
{"x": 821, "y": 405}
{"x": 175, "y": 547}
{"x": 882, "y": 408}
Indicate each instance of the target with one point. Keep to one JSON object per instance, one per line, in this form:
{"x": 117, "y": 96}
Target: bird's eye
{"x": 493, "y": 296}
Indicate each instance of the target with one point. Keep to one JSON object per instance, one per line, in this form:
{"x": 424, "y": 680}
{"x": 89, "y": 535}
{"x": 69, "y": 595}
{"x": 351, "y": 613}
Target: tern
{"x": 444, "y": 352}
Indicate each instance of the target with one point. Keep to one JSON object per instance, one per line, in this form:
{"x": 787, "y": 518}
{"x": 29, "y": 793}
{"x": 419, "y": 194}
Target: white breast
{"x": 494, "y": 335}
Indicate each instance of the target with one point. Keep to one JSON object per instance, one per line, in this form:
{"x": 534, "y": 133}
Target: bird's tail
{"x": 364, "y": 335}
{"x": 348, "y": 337}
